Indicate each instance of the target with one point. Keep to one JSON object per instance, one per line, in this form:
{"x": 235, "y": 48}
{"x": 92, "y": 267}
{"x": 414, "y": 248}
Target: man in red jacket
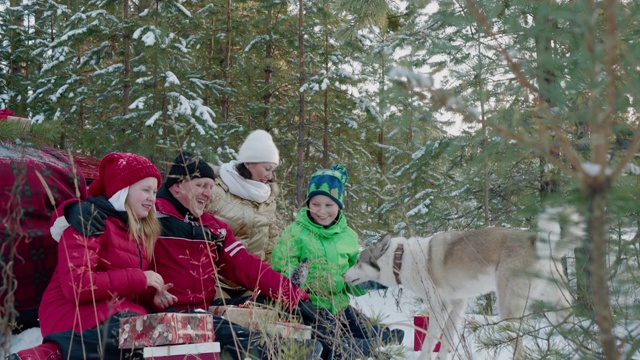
{"x": 195, "y": 246}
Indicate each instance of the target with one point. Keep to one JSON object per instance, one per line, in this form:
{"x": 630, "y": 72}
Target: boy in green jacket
{"x": 320, "y": 234}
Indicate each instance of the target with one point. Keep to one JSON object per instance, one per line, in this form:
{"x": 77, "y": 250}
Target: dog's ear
{"x": 386, "y": 242}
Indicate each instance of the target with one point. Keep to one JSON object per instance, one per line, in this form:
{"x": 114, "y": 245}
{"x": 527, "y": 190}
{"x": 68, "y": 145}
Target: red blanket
{"x": 33, "y": 183}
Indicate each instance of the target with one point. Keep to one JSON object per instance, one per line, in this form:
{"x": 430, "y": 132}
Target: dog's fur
{"x": 448, "y": 268}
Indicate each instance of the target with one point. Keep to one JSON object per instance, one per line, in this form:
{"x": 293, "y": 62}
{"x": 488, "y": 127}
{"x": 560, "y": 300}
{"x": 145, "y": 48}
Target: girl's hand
{"x": 154, "y": 280}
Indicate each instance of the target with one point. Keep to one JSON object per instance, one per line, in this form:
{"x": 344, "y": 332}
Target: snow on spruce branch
{"x": 149, "y": 38}
{"x": 423, "y": 81}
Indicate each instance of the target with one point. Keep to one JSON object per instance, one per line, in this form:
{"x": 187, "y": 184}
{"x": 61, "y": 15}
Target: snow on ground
{"x": 397, "y": 311}
{"x": 24, "y": 340}
{"x": 399, "y": 314}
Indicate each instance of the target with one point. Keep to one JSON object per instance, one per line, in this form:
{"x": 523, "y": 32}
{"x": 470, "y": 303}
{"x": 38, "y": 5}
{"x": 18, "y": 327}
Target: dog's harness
{"x": 397, "y": 262}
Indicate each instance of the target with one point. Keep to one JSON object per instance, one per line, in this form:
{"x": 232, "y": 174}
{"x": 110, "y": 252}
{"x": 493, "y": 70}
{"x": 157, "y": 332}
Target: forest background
{"x": 447, "y": 114}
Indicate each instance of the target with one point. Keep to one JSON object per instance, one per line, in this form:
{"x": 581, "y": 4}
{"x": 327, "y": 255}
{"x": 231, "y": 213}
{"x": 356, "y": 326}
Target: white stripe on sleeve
{"x": 233, "y": 248}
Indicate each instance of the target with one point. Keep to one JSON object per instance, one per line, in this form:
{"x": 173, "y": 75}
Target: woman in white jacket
{"x": 244, "y": 196}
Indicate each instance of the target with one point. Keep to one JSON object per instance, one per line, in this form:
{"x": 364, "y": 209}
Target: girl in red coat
{"x": 100, "y": 279}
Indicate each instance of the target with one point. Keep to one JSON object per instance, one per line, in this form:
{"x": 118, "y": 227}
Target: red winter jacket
{"x": 95, "y": 278}
{"x": 192, "y": 265}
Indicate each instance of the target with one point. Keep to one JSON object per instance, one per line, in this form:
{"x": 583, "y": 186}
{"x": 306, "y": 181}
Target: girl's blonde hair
{"x": 145, "y": 230}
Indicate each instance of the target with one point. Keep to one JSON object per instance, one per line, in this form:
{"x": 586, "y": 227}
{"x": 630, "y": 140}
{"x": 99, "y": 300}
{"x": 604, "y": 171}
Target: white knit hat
{"x": 258, "y": 147}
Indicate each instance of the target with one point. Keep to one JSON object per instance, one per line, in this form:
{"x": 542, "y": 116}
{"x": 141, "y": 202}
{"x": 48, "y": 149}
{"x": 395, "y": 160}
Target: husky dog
{"x": 448, "y": 268}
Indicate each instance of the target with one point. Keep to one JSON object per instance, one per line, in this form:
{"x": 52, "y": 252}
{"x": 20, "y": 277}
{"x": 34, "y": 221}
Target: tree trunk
{"x": 325, "y": 137}
{"x": 16, "y": 66}
{"x": 600, "y": 184}
{"x": 300, "y": 188}
{"x": 597, "y": 227}
{"x": 211, "y": 53}
{"x": 486, "y": 182}
{"x": 381, "y": 110}
{"x": 325, "y": 133}
{"x": 126, "y": 43}
{"x": 227, "y": 66}
{"x": 268, "y": 70}
{"x": 549, "y": 176}
{"x": 546, "y": 80}
{"x": 381, "y": 136}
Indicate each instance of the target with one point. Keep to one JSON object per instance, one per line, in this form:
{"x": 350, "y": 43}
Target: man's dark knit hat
{"x": 187, "y": 166}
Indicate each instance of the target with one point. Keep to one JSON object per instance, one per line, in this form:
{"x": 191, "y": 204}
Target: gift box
{"x": 201, "y": 351}
{"x": 8, "y": 115}
{"x": 262, "y": 320}
{"x": 165, "y": 329}
{"x": 421, "y": 321}
{"x": 249, "y": 317}
{"x": 286, "y": 330}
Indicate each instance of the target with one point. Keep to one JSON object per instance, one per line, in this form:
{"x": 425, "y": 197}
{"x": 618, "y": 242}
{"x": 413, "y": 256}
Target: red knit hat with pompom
{"x": 119, "y": 170}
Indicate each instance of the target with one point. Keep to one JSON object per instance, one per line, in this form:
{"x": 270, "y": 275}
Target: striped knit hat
{"x": 329, "y": 182}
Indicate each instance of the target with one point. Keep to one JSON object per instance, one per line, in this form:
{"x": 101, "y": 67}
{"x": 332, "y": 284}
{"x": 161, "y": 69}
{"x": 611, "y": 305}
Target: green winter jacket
{"x": 331, "y": 251}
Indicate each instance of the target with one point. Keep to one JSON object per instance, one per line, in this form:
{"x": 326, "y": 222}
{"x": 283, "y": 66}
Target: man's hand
{"x": 85, "y": 218}
{"x": 163, "y": 299}
{"x": 291, "y": 295}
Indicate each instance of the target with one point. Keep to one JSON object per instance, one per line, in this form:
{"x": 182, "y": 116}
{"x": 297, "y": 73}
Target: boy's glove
{"x": 322, "y": 319}
{"x": 299, "y": 274}
{"x": 370, "y": 285}
{"x": 85, "y": 218}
